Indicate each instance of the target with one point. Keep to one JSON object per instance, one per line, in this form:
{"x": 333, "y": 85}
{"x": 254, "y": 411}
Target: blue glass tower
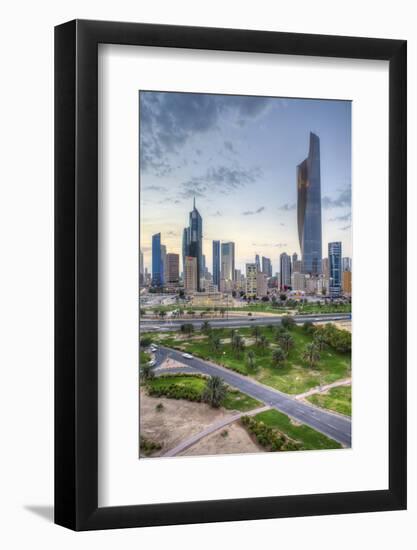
{"x": 216, "y": 263}
{"x": 157, "y": 265}
{"x": 309, "y": 208}
{"x": 335, "y": 269}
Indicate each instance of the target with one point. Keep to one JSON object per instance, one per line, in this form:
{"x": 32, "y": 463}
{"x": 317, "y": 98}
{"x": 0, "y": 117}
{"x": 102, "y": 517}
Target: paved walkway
{"x": 190, "y": 441}
{"x": 321, "y": 389}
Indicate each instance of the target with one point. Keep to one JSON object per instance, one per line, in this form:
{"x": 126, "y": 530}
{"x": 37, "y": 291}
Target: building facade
{"x": 309, "y": 209}
{"x": 347, "y": 282}
{"x": 335, "y": 269}
{"x": 346, "y": 264}
{"x": 192, "y": 244}
{"x": 228, "y": 261}
{"x": 157, "y": 265}
{"x": 216, "y": 263}
{"x": 266, "y": 266}
{"x": 261, "y": 285}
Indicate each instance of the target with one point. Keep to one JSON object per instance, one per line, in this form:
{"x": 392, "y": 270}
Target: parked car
{"x": 187, "y": 356}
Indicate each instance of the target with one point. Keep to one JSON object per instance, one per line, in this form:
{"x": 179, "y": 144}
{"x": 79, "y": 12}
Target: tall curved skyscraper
{"x": 309, "y": 208}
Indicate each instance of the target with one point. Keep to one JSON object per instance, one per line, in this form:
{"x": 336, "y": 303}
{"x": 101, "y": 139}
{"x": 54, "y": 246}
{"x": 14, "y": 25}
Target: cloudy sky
{"x": 238, "y": 155}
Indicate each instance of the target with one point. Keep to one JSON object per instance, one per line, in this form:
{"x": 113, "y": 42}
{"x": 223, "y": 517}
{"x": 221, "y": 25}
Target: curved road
{"x": 335, "y": 426}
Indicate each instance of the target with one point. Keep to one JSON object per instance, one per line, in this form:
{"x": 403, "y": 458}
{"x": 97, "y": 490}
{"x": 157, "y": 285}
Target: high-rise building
{"x": 285, "y": 270}
{"x": 294, "y": 258}
{"x": 251, "y": 280}
{"x": 173, "y": 268}
{"x": 309, "y": 208}
{"x": 192, "y": 242}
{"x": 261, "y": 284}
{"x": 298, "y": 281}
{"x": 157, "y": 265}
{"x": 164, "y": 262}
{"x": 228, "y": 261}
{"x": 190, "y": 274}
{"x": 346, "y": 264}
{"x": 258, "y": 262}
{"x": 335, "y": 269}
{"x": 325, "y": 267}
{"x": 297, "y": 266}
{"x": 266, "y": 266}
{"x": 216, "y": 263}
{"x": 141, "y": 272}
{"x": 347, "y": 282}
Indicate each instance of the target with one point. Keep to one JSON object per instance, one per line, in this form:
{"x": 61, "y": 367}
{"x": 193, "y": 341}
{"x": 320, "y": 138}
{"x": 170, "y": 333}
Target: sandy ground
{"x": 237, "y": 441}
{"x": 170, "y": 363}
{"x": 181, "y": 419}
{"x": 342, "y": 325}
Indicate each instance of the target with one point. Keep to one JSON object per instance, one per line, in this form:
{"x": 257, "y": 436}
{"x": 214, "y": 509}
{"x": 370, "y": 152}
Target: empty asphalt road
{"x": 335, "y": 426}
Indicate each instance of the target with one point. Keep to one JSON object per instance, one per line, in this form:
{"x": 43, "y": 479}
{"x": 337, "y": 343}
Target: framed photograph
{"x": 230, "y": 244}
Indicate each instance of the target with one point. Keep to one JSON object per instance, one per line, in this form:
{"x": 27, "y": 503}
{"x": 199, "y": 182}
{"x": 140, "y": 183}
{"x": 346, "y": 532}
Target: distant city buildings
{"x": 193, "y": 242}
{"x": 228, "y": 261}
{"x": 309, "y": 209}
{"x": 347, "y": 282}
{"x": 164, "y": 263}
{"x": 157, "y": 265}
{"x": 285, "y": 270}
{"x": 258, "y": 262}
{"x": 298, "y": 281}
{"x": 335, "y": 269}
{"x": 141, "y": 272}
{"x": 261, "y": 285}
{"x": 346, "y": 264}
{"x": 325, "y": 267}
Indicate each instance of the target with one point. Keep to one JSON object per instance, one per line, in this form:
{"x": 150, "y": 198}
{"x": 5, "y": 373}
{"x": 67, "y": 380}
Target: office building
{"x": 192, "y": 242}
{"x": 325, "y": 267}
{"x": 228, "y": 261}
{"x": 191, "y": 274}
{"x": 298, "y": 281}
{"x": 309, "y": 209}
{"x": 346, "y": 264}
{"x": 335, "y": 269}
{"x": 266, "y": 266}
{"x": 251, "y": 280}
{"x": 141, "y": 272}
{"x": 347, "y": 282}
{"x": 157, "y": 265}
{"x": 173, "y": 268}
{"x": 261, "y": 285}
{"x": 164, "y": 262}
{"x": 285, "y": 270}
{"x": 258, "y": 262}
{"x": 216, "y": 263}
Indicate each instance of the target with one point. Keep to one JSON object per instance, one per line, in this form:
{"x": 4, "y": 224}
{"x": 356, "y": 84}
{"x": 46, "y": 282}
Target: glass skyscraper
{"x": 192, "y": 244}
{"x": 335, "y": 269}
{"x": 216, "y": 263}
{"x": 157, "y": 265}
{"x": 228, "y": 261}
{"x": 309, "y": 208}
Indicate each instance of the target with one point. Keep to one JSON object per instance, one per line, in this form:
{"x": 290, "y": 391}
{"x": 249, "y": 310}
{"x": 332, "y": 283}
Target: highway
{"x": 335, "y": 426}
{"x": 156, "y": 325}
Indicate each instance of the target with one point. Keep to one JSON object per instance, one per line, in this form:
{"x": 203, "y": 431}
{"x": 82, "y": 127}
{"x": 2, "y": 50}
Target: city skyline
{"x": 254, "y": 174}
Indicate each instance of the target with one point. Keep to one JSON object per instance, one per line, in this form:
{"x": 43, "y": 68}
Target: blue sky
{"x": 238, "y": 155}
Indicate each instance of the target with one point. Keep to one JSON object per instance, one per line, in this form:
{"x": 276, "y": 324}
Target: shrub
{"x": 147, "y": 446}
{"x": 288, "y": 323}
{"x": 145, "y": 341}
{"x": 269, "y": 438}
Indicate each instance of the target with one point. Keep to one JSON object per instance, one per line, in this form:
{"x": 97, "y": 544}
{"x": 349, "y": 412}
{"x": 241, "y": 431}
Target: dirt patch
{"x": 170, "y": 363}
{"x": 232, "y": 439}
{"x": 178, "y": 420}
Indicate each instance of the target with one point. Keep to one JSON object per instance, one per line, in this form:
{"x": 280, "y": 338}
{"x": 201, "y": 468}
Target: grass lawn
{"x": 306, "y": 436}
{"x": 324, "y": 308}
{"x": 144, "y": 357}
{"x": 337, "y": 399}
{"x": 190, "y": 385}
{"x": 292, "y": 377}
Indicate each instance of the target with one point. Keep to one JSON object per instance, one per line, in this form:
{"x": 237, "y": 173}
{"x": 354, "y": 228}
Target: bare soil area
{"x": 232, "y": 439}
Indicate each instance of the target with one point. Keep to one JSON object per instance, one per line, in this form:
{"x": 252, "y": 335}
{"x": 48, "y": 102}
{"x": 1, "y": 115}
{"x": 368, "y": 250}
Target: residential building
{"x": 173, "y": 268}
{"x": 157, "y": 265}
{"x": 325, "y": 267}
{"x": 216, "y": 263}
{"x": 251, "y": 280}
{"x": 298, "y": 281}
{"x": 347, "y": 282}
{"x": 309, "y": 208}
{"x": 335, "y": 269}
{"x": 191, "y": 274}
{"x": 285, "y": 270}
{"x": 261, "y": 285}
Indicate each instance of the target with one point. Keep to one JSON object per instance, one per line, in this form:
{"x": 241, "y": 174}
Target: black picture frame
{"x": 76, "y": 272}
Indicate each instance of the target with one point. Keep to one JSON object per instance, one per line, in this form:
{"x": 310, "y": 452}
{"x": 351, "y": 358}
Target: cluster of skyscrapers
{"x": 311, "y": 274}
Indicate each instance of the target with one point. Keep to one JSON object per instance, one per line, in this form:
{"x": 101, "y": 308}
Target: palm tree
{"x": 311, "y": 355}
{"x": 162, "y": 313}
{"x": 250, "y": 357}
{"x": 286, "y": 341}
{"x": 278, "y": 357}
{"x": 215, "y": 391}
{"x": 214, "y": 342}
{"x": 320, "y": 340}
{"x": 263, "y": 341}
{"x": 256, "y": 331}
{"x": 205, "y": 327}
{"x": 238, "y": 344}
